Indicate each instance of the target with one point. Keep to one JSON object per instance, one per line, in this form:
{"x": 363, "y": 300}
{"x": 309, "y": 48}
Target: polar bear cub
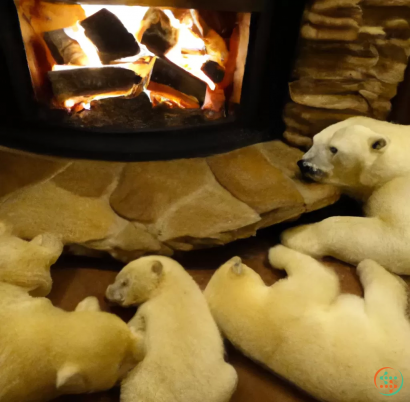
{"x": 44, "y": 351}
{"x": 327, "y": 343}
{"x": 370, "y": 160}
{"x": 27, "y": 264}
{"x": 184, "y": 353}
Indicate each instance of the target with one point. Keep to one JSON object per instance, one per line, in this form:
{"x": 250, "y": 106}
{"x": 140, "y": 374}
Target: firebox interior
{"x": 133, "y": 67}
{"x": 138, "y": 100}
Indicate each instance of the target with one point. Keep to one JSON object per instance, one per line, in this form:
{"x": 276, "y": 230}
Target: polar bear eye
{"x": 333, "y": 150}
{"x": 124, "y": 282}
{"x": 379, "y": 144}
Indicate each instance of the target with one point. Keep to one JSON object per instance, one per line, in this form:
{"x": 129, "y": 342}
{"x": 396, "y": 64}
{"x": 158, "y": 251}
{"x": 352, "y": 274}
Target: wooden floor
{"x": 77, "y": 278}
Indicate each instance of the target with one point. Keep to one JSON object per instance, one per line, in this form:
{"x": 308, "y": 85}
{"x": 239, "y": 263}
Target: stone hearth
{"x": 130, "y": 209}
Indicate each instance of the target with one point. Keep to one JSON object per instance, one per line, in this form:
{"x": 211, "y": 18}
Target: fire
{"x": 77, "y": 33}
{"x": 187, "y": 40}
{"x": 189, "y": 52}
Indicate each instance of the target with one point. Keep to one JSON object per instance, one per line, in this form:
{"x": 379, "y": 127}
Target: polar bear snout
{"x": 309, "y": 170}
{"x": 114, "y": 294}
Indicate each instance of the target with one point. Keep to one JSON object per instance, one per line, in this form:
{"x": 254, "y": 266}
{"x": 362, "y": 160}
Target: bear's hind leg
{"x": 90, "y": 303}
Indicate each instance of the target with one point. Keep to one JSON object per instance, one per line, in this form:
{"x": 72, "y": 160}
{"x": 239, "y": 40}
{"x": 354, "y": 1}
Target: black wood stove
{"x": 135, "y": 80}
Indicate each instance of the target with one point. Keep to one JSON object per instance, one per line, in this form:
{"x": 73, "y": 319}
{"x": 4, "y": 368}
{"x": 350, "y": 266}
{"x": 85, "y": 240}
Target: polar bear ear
{"x": 236, "y": 267}
{"x": 157, "y": 268}
{"x": 378, "y": 144}
{"x": 70, "y": 380}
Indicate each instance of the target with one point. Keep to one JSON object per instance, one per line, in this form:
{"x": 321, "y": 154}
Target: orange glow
{"x": 162, "y": 93}
{"x": 189, "y": 53}
{"x": 76, "y": 32}
{"x": 187, "y": 40}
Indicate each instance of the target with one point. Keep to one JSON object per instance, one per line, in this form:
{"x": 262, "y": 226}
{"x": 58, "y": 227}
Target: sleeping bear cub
{"x": 331, "y": 345}
{"x": 370, "y": 160}
{"x": 45, "y": 351}
{"x": 184, "y": 353}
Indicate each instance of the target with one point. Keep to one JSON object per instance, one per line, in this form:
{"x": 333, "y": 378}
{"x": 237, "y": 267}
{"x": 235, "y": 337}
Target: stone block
{"x": 179, "y": 198}
{"x": 248, "y": 175}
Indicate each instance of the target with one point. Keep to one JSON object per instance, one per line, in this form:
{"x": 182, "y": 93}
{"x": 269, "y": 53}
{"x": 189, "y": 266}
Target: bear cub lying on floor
{"x": 45, "y": 351}
{"x": 184, "y": 353}
{"x": 327, "y": 343}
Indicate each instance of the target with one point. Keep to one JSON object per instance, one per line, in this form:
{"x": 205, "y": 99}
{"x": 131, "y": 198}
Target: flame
{"x": 69, "y": 103}
{"x": 189, "y": 53}
{"x": 187, "y": 40}
{"x": 77, "y": 33}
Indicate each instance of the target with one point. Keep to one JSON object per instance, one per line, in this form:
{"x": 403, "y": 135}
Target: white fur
{"x": 327, "y": 343}
{"x": 44, "y": 351}
{"x": 379, "y": 177}
{"x": 184, "y": 354}
{"x": 27, "y": 264}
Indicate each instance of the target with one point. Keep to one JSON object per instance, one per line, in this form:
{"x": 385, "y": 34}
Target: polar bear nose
{"x": 309, "y": 170}
{"x": 304, "y": 166}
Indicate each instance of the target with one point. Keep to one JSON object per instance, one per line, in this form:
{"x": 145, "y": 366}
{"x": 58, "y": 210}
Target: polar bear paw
{"x": 303, "y": 239}
{"x": 88, "y": 304}
{"x": 369, "y": 270}
{"x": 280, "y": 256}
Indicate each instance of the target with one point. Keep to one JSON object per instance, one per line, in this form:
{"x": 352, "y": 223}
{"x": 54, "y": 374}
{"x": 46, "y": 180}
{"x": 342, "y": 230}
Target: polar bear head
{"x": 137, "y": 282}
{"x": 27, "y": 263}
{"x": 356, "y": 153}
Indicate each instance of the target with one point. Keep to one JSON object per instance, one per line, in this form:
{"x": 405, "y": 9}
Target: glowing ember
{"x": 69, "y": 103}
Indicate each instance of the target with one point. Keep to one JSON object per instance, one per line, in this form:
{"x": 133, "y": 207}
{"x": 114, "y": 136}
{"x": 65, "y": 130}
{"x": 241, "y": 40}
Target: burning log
{"x": 162, "y": 93}
{"x": 167, "y": 73}
{"x": 157, "y": 33}
{"x": 214, "y": 71}
{"x": 214, "y": 44}
{"x": 109, "y": 36}
{"x": 116, "y": 112}
{"x": 215, "y": 103}
{"x": 64, "y": 49}
{"x": 77, "y": 85}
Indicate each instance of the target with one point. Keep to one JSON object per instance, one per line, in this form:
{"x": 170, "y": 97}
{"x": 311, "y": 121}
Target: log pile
{"x": 352, "y": 56}
{"x": 170, "y": 84}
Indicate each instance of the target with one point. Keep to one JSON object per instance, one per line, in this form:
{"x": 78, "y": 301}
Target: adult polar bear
{"x": 370, "y": 160}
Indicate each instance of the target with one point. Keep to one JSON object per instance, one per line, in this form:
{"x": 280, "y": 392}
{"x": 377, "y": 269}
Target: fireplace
{"x": 167, "y": 140}
{"x": 145, "y": 79}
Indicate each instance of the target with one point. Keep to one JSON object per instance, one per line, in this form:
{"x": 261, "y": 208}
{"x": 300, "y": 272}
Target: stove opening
{"x": 134, "y": 67}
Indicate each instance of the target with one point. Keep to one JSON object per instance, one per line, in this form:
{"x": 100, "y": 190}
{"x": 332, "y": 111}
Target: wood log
{"x": 231, "y": 63}
{"x": 161, "y": 92}
{"x": 157, "y": 33}
{"x": 215, "y": 46}
{"x": 221, "y": 22}
{"x": 115, "y": 113}
{"x": 214, "y": 71}
{"x": 84, "y": 84}
{"x": 109, "y": 36}
{"x": 64, "y": 49}
{"x": 167, "y": 73}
